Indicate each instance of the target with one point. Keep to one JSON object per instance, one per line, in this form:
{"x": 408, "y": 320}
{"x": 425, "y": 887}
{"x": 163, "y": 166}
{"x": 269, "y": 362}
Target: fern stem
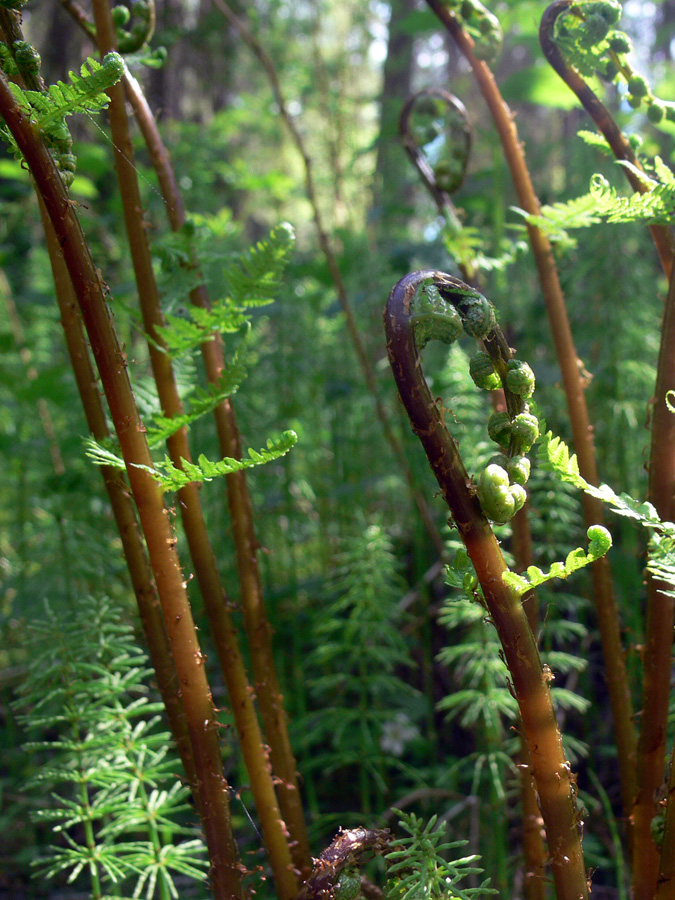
{"x": 360, "y": 350}
{"x": 203, "y": 557}
{"x": 551, "y": 770}
{"x": 660, "y": 607}
{"x": 603, "y": 593}
{"x": 121, "y": 504}
{"x": 534, "y": 854}
{"x": 659, "y": 630}
{"x": 142, "y": 579}
{"x": 257, "y": 625}
{"x": 147, "y": 494}
{"x": 661, "y": 234}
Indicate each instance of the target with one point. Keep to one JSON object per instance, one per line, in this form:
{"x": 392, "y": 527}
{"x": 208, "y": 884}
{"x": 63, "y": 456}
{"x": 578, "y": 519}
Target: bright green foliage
{"x": 84, "y": 94}
{"x": 251, "y": 280}
{"x": 117, "y": 806}
{"x": 202, "y": 400}
{"x": 172, "y": 478}
{"x": 417, "y": 865}
{"x": 604, "y": 203}
{"x": 600, "y": 542}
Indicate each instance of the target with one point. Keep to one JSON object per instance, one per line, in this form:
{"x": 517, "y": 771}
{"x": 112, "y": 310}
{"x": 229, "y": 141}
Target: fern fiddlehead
{"x": 435, "y": 134}
{"x": 404, "y": 322}
{"x": 578, "y": 39}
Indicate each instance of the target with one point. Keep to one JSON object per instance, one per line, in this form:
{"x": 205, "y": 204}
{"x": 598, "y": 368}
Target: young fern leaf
{"x": 202, "y": 401}
{"x": 602, "y": 202}
{"x": 555, "y": 456}
{"x": 183, "y": 334}
{"x": 172, "y": 479}
{"x": 252, "y": 281}
{"x": 84, "y": 94}
{"x": 600, "y": 542}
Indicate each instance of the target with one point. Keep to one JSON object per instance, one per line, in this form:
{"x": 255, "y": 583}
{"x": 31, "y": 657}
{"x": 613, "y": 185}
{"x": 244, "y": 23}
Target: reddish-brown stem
{"x": 336, "y": 276}
{"x": 662, "y": 236}
{"x": 133, "y": 547}
{"x": 257, "y": 626}
{"x": 530, "y": 684}
{"x": 666, "y": 880}
{"x": 657, "y": 656}
{"x": 660, "y": 608}
{"x": 203, "y": 557}
{"x": 160, "y": 540}
{"x": 570, "y": 366}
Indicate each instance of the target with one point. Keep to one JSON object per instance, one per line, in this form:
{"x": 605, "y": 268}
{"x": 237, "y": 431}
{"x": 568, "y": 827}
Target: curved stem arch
{"x": 550, "y": 769}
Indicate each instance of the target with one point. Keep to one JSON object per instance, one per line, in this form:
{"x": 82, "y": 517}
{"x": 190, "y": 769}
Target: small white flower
{"x": 397, "y": 733}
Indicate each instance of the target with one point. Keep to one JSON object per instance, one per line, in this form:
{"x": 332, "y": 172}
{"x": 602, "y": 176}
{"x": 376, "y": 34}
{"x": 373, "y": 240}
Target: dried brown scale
{"x": 550, "y": 768}
{"x": 343, "y": 852}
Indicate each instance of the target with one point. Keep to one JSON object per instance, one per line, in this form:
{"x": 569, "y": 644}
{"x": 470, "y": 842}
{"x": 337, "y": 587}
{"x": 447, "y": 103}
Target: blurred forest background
{"x": 358, "y": 602}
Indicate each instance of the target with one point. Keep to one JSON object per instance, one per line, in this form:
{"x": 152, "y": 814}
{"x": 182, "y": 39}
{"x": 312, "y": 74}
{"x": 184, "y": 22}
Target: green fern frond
{"x": 555, "y": 456}
{"x": 183, "y": 334}
{"x": 600, "y": 542}
{"x": 604, "y": 203}
{"x": 85, "y": 93}
{"x": 252, "y": 280}
{"x": 172, "y": 478}
{"x": 255, "y": 278}
{"x": 595, "y": 140}
{"x": 202, "y": 401}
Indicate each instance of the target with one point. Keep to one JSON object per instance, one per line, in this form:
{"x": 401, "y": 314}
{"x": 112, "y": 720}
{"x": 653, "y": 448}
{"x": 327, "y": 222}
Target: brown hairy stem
{"x": 259, "y": 632}
{"x": 133, "y": 547}
{"x": 660, "y": 607}
{"x": 142, "y": 579}
{"x": 657, "y": 656}
{"x": 343, "y": 852}
{"x": 570, "y": 366}
{"x": 551, "y": 770}
{"x": 336, "y": 275}
{"x": 661, "y": 234}
{"x": 203, "y": 557}
{"x": 160, "y": 540}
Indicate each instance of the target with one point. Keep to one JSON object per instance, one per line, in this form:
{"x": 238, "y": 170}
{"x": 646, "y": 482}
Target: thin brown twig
{"x": 336, "y": 275}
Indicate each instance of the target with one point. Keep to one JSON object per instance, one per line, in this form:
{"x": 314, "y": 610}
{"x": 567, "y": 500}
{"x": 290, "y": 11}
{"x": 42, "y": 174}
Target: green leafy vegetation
{"x": 266, "y": 578}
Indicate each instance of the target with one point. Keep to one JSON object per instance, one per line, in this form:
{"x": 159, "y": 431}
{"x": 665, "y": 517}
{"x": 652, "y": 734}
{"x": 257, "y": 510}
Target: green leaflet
{"x": 172, "y": 479}
{"x": 253, "y": 280}
{"x": 604, "y": 203}
{"x": 84, "y": 94}
{"x": 600, "y": 542}
{"x": 202, "y": 400}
